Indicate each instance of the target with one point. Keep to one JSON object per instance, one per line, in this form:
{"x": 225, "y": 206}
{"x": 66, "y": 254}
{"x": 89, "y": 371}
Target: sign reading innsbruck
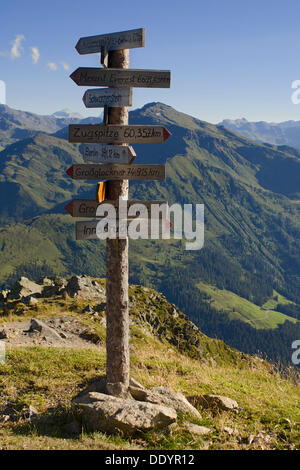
{"x": 88, "y": 208}
{"x": 102, "y": 153}
{"x": 136, "y": 228}
{"x": 113, "y": 97}
{"x": 118, "y": 134}
{"x": 88, "y": 76}
{"x": 112, "y": 42}
{"x": 116, "y": 172}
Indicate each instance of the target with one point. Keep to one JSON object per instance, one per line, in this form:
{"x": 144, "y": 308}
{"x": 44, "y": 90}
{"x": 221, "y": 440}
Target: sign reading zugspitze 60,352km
{"x": 116, "y": 172}
{"x": 96, "y": 76}
{"x": 112, "y": 42}
{"x": 117, "y": 134}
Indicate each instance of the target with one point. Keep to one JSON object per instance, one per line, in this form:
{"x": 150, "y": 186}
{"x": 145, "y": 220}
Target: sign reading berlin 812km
{"x": 102, "y": 153}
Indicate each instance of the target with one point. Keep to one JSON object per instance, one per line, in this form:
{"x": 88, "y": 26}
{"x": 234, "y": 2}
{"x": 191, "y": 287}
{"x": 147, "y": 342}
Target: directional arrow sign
{"x": 118, "y": 134}
{"x": 117, "y": 172}
{"x": 113, "y": 97}
{"x": 88, "y": 208}
{"x": 88, "y": 230}
{"x": 112, "y": 42}
{"x": 87, "y": 76}
{"x": 102, "y": 153}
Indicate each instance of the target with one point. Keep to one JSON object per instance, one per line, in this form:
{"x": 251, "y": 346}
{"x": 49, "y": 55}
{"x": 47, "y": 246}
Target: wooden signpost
{"x": 102, "y": 153}
{"x": 116, "y": 172}
{"x": 94, "y": 76}
{"x": 118, "y": 134}
{"x": 88, "y": 208}
{"x": 114, "y": 49}
{"x": 112, "y": 42}
{"x": 113, "y": 97}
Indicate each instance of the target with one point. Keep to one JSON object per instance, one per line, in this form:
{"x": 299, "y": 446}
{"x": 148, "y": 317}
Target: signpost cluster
{"x": 106, "y": 147}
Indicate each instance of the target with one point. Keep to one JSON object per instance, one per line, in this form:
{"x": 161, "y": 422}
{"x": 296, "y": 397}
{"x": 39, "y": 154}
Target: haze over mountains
{"x": 282, "y": 133}
{"x": 67, "y": 114}
{"x": 16, "y": 125}
{"x": 251, "y": 193}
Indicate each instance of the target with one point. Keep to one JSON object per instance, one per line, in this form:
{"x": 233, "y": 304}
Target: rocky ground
{"x": 62, "y": 331}
{"x": 51, "y": 386}
{"x": 82, "y": 301}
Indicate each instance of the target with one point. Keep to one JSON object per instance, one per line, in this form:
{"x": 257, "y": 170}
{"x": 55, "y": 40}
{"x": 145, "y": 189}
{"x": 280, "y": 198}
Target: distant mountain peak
{"x": 236, "y": 122}
{"x": 67, "y": 113}
{"x": 274, "y": 133}
{"x": 155, "y": 105}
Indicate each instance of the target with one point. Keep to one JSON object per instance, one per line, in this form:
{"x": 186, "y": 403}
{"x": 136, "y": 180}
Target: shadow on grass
{"x": 61, "y": 422}
{"x": 55, "y": 422}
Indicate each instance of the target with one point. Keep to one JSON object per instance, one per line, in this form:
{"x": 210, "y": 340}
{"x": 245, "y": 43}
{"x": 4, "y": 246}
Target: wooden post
{"x": 117, "y": 315}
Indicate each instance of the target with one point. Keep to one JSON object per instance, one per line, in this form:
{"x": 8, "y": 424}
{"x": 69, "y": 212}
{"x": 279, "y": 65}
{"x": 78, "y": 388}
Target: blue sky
{"x": 228, "y": 59}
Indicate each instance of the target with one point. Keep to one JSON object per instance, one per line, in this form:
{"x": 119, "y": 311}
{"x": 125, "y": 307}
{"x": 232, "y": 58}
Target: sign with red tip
{"x": 117, "y": 172}
{"x": 70, "y": 171}
{"x": 69, "y": 208}
{"x": 166, "y": 133}
{"x": 117, "y": 134}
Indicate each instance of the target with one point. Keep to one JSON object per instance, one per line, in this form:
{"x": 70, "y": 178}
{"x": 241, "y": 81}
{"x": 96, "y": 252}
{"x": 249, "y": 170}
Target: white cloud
{"x": 35, "y": 54}
{"x": 65, "y": 66}
{"x": 52, "y": 66}
{"x": 15, "y": 52}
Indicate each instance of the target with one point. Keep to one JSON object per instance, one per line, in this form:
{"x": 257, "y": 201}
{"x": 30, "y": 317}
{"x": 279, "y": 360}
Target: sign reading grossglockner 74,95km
{"x": 116, "y": 172}
{"x": 111, "y": 42}
{"x": 117, "y": 134}
{"x": 138, "y": 78}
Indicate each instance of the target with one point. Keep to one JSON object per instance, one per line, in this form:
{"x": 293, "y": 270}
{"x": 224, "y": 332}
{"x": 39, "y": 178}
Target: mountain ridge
{"x": 252, "y": 223}
{"x": 284, "y": 133}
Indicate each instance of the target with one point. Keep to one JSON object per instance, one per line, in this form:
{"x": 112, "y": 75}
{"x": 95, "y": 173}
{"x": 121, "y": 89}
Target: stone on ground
{"x": 49, "y": 333}
{"x": 30, "y": 413}
{"x": 218, "y": 402}
{"x": 24, "y": 288}
{"x": 165, "y": 396}
{"x": 195, "y": 429}
{"x": 84, "y": 287}
{"x": 53, "y": 286}
{"x": 109, "y": 414}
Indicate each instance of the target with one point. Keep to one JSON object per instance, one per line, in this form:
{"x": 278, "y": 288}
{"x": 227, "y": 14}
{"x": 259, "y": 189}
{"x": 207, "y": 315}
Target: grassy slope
{"x": 48, "y": 378}
{"x": 277, "y": 299}
{"x": 242, "y": 309}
